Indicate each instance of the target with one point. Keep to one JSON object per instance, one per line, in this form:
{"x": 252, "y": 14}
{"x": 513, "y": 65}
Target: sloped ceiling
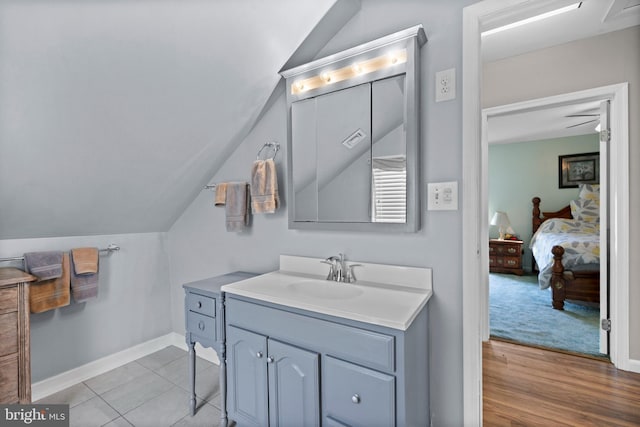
{"x": 114, "y": 114}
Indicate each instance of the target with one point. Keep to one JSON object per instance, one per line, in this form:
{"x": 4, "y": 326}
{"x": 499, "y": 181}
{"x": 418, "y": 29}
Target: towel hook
{"x": 274, "y": 145}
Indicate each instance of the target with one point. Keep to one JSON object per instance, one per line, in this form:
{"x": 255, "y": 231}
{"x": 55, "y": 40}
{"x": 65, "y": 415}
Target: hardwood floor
{"x": 525, "y": 386}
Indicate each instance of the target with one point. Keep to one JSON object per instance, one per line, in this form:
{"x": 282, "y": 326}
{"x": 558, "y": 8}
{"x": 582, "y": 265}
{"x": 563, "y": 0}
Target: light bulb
{"x": 356, "y": 68}
{"x": 299, "y": 85}
{"x": 326, "y": 77}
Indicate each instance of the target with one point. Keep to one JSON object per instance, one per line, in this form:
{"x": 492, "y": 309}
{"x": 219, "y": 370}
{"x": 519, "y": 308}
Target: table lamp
{"x": 502, "y": 221}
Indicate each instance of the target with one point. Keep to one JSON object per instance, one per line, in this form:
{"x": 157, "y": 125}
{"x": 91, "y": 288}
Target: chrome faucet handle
{"x": 332, "y": 267}
{"x": 350, "y": 277}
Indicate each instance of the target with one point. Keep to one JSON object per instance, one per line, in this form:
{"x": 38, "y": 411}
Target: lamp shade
{"x": 501, "y": 219}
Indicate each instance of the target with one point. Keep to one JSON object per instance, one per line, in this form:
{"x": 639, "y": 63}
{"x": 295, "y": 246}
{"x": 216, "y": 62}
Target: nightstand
{"x": 505, "y": 256}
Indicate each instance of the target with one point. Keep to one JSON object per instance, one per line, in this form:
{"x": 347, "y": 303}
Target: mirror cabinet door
{"x": 389, "y": 151}
{"x": 304, "y": 161}
{"x": 344, "y": 155}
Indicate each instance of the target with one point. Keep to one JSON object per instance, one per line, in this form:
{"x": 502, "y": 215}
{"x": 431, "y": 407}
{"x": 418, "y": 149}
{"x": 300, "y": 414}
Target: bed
{"x": 566, "y": 248}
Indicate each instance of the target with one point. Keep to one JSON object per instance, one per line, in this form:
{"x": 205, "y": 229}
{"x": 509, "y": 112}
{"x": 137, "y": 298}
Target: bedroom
{"x": 520, "y": 310}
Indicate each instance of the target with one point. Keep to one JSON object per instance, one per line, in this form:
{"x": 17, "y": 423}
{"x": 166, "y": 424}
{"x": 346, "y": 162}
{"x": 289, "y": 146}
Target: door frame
{"x": 475, "y": 256}
{"x": 602, "y": 94}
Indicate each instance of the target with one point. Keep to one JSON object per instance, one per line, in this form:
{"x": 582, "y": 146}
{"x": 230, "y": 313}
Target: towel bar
{"x": 111, "y": 248}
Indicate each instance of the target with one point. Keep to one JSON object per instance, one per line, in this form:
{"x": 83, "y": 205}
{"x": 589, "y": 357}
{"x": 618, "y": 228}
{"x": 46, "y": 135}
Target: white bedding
{"x": 580, "y": 240}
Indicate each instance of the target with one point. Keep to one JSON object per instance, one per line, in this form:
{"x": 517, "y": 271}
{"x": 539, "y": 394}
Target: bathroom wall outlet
{"x": 442, "y": 196}
{"x": 446, "y": 85}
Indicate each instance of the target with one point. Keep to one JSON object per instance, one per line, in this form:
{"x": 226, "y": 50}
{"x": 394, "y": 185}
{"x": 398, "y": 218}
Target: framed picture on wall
{"x": 574, "y": 169}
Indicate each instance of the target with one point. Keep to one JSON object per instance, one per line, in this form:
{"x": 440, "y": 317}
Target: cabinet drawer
{"x": 204, "y": 326}
{"x": 9, "y": 300}
{"x": 357, "y": 396}
{"x": 508, "y": 262}
{"x": 8, "y": 333}
{"x": 365, "y": 347}
{"x": 9, "y": 379}
{"x": 201, "y": 304}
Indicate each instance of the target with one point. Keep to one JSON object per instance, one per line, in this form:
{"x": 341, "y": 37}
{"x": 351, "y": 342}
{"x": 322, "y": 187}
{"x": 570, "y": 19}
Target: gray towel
{"x": 236, "y": 206}
{"x": 44, "y": 265}
{"x": 83, "y": 286}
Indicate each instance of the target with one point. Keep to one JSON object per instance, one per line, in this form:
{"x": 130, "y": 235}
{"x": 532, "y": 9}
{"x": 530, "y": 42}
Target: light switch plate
{"x": 442, "y": 196}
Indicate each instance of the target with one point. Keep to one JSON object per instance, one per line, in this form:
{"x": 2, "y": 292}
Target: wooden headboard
{"x": 537, "y": 220}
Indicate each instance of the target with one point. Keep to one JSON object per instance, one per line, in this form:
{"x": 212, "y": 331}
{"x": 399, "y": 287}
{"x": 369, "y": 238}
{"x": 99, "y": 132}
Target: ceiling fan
{"x": 585, "y": 114}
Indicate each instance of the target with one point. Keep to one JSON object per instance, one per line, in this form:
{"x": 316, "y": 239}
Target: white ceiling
{"x": 593, "y": 18}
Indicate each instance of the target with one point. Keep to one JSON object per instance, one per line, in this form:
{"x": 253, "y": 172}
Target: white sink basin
{"x": 384, "y": 295}
{"x": 324, "y": 289}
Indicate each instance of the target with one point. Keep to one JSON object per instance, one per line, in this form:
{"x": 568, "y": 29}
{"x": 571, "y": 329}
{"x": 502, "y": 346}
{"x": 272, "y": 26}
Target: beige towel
{"x": 46, "y": 295}
{"x": 84, "y": 285}
{"x": 221, "y": 194}
{"x": 85, "y": 260}
{"x": 264, "y": 187}
{"x": 236, "y": 206}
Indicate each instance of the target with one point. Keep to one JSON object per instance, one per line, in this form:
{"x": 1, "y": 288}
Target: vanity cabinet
{"x": 292, "y": 367}
{"x": 272, "y": 383}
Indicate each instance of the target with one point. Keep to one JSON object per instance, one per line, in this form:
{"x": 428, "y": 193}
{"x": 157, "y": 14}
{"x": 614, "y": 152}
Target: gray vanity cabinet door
{"x": 294, "y": 386}
{"x": 247, "y": 377}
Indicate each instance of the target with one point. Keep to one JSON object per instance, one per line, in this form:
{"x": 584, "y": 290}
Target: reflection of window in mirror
{"x": 389, "y": 200}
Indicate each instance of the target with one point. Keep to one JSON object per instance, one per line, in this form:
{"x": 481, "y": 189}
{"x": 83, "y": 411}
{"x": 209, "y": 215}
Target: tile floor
{"x": 152, "y": 391}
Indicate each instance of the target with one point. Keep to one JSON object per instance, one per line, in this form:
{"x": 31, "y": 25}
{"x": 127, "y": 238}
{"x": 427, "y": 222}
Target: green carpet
{"x": 521, "y": 311}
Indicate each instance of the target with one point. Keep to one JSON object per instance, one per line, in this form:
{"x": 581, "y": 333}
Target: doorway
{"x": 524, "y": 149}
{"x": 475, "y": 217}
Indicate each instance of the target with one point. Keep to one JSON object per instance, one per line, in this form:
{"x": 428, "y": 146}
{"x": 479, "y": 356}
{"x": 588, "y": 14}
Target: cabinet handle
{"x": 355, "y": 398}
{"x": 512, "y": 250}
{"x": 259, "y": 355}
{"x": 201, "y": 325}
{"x": 270, "y": 359}
{"x": 199, "y": 304}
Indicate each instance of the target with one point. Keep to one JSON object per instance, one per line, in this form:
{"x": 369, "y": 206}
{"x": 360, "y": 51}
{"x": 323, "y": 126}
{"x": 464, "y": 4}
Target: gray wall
{"x": 130, "y": 103}
{"x": 200, "y": 247}
{"x": 599, "y": 61}
{"x": 133, "y": 299}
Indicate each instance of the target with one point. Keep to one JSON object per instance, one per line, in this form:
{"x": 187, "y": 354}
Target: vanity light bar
{"x": 353, "y": 70}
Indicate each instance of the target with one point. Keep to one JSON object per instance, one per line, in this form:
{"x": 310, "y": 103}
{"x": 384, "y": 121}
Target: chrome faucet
{"x": 339, "y": 271}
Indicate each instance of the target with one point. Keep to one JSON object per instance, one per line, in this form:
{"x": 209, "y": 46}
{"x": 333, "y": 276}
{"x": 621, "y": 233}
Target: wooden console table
{"x": 15, "y": 353}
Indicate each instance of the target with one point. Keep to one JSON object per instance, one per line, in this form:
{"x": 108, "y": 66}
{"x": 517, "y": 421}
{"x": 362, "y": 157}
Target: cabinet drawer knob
{"x": 259, "y": 355}
{"x": 270, "y": 359}
{"x": 201, "y": 325}
{"x": 199, "y": 304}
{"x": 355, "y": 398}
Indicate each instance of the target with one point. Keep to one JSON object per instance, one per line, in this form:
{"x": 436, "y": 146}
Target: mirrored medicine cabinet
{"x": 353, "y": 137}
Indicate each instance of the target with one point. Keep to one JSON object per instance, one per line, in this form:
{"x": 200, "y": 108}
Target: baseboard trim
{"x": 66, "y": 379}
{"x": 634, "y": 365}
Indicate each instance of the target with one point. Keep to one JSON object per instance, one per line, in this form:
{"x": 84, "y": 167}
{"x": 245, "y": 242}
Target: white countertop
{"x": 393, "y": 305}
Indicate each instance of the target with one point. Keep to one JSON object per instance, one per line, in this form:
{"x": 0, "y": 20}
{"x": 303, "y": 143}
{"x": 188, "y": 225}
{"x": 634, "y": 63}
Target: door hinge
{"x": 605, "y": 135}
{"x": 605, "y": 324}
